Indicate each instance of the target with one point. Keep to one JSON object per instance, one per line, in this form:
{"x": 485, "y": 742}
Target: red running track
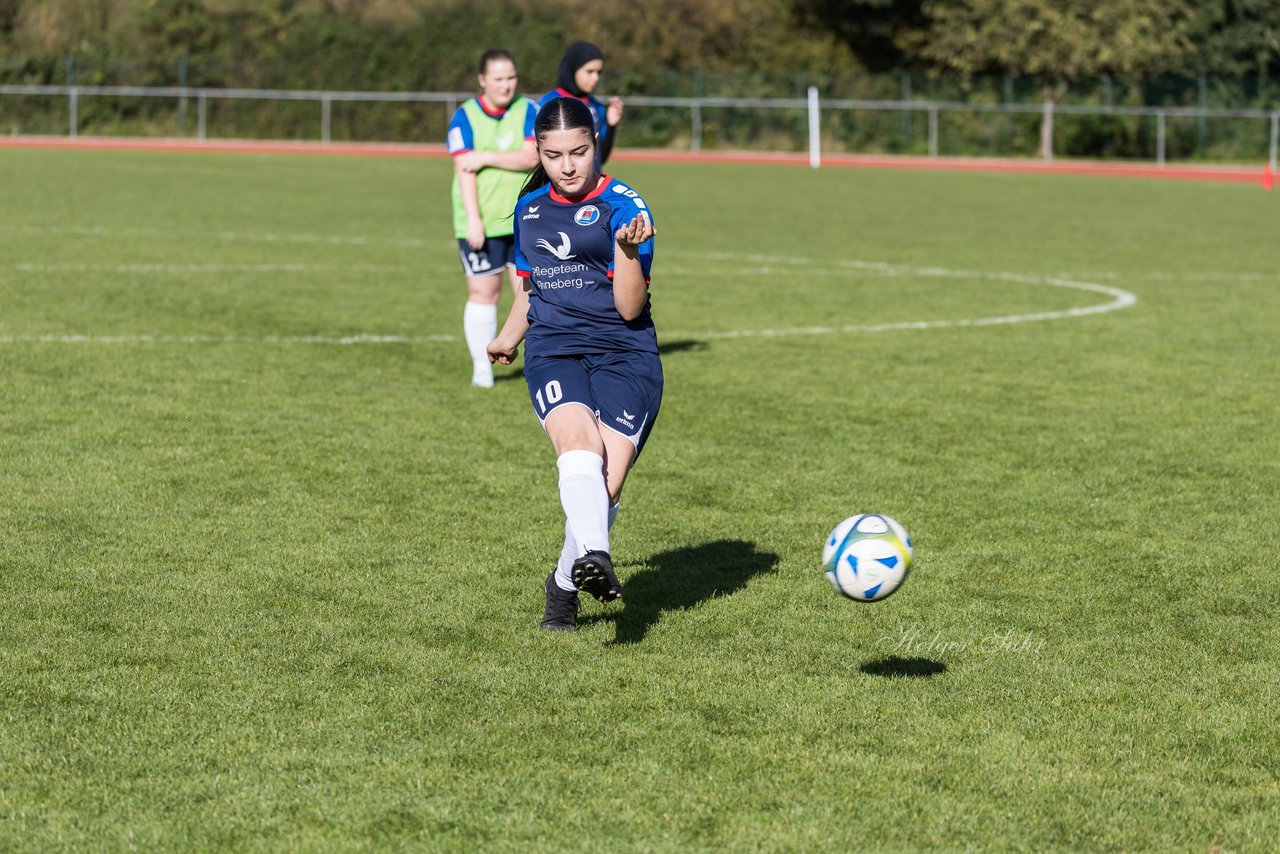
{"x": 1229, "y": 174}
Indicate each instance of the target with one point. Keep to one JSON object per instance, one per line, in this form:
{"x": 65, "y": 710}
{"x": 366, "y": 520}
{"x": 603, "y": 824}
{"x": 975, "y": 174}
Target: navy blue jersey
{"x": 565, "y": 249}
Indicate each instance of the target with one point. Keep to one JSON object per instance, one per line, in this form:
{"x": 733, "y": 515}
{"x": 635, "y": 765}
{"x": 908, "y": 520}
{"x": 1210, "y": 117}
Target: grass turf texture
{"x": 267, "y": 594}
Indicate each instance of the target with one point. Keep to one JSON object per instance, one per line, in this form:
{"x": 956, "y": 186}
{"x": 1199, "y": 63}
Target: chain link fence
{"x": 695, "y": 123}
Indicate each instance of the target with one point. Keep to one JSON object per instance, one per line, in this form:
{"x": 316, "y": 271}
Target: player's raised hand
{"x": 613, "y": 114}
{"x": 635, "y": 232}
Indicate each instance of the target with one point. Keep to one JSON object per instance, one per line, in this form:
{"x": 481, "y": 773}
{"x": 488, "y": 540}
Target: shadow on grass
{"x": 668, "y": 347}
{"x": 681, "y": 578}
{"x": 895, "y": 667}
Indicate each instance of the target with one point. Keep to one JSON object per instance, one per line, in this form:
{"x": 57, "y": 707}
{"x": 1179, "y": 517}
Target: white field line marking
{"x": 774, "y": 264}
{"x": 413, "y": 242}
{"x": 1119, "y": 299}
{"x": 346, "y": 340}
{"x": 205, "y": 268}
{"x": 230, "y": 236}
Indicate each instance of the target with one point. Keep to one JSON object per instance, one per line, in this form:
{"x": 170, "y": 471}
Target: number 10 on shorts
{"x": 553, "y": 396}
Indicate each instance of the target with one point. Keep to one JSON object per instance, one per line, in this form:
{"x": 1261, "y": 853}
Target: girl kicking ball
{"x": 584, "y": 247}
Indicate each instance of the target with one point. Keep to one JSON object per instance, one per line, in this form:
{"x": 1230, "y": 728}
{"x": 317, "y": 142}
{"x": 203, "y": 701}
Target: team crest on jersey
{"x": 587, "y": 215}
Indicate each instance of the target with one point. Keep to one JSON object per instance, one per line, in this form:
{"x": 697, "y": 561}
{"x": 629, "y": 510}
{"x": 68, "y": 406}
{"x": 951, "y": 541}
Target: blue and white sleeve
{"x": 625, "y": 211}
{"x": 461, "y": 138}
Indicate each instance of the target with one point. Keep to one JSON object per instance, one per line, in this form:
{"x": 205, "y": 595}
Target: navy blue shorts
{"x": 497, "y": 252}
{"x": 624, "y": 390}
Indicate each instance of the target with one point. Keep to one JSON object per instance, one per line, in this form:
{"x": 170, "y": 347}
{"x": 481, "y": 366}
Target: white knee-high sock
{"x": 570, "y": 552}
{"x": 480, "y": 325}
{"x": 585, "y": 499}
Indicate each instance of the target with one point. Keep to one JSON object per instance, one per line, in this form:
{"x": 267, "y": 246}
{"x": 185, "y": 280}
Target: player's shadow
{"x": 666, "y": 348}
{"x": 681, "y": 578}
{"x": 895, "y": 667}
{"x": 504, "y": 377}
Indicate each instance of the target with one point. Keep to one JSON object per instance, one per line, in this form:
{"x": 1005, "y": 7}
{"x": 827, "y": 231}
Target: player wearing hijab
{"x": 578, "y": 76}
{"x": 491, "y": 140}
{"x": 584, "y": 247}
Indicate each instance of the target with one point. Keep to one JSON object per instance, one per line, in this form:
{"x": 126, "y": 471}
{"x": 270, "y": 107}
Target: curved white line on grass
{"x": 1119, "y": 299}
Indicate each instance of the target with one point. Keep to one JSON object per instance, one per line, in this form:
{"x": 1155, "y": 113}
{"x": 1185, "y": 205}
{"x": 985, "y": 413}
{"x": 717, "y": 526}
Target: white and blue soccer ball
{"x": 867, "y": 557}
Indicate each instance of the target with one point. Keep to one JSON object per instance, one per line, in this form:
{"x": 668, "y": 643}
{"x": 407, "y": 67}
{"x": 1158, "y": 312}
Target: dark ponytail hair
{"x": 494, "y": 54}
{"x": 557, "y": 114}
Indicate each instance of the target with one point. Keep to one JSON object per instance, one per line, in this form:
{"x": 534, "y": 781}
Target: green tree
{"x": 1054, "y": 42}
{"x": 871, "y": 29}
{"x": 169, "y": 30}
{"x": 1237, "y": 37}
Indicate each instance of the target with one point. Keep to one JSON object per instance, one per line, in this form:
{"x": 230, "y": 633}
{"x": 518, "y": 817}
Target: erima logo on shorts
{"x": 587, "y": 215}
{"x": 626, "y": 420}
{"x": 561, "y": 251}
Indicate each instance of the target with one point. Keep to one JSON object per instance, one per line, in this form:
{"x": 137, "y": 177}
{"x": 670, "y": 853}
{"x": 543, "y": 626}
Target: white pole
{"x": 75, "y": 112}
{"x": 815, "y": 138}
{"x": 1275, "y": 140}
{"x": 933, "y": 132}
{"x": 324, "y": 118}
{"x": 1160, "y": 138}
{"x": 203, "y": 113}
{"x": 1048, "y": 130}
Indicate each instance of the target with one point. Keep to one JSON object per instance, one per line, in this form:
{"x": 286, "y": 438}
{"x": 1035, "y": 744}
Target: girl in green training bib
{"x": 492, "y": 144}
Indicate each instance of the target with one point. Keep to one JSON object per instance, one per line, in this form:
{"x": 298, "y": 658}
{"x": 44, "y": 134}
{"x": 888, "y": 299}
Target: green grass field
{"x": 261, "y": 589}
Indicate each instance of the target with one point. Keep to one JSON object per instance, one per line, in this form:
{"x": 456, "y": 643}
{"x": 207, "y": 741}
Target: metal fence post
{"x": 933, "y": 131}
{"x": 815, "y": 135}
{"x": 202, "y": 111}
{"x": 695, "y": 144}
{"x": 325, "y": 115}
{"x": 1202, "y": 128}
{"x": 1160, "y": 138}
{"x": 1047, "y": 130}
{"x": 906, "y": 112}
{"x": 1275, "y": 139}
{"x": 182, "y": 99}
{"x": 74, "y": 110}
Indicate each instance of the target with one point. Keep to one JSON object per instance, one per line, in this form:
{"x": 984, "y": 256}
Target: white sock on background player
{"x": 570, "y": 552}
{"x": 480, "y": 324}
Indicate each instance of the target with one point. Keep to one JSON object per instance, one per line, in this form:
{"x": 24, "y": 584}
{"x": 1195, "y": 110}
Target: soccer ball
{"x": 867, "y": 557}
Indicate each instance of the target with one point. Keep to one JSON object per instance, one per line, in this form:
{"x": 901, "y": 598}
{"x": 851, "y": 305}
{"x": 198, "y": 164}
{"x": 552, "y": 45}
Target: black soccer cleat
{"x": 561, "y": 614}
{"x": 593, "y": 572}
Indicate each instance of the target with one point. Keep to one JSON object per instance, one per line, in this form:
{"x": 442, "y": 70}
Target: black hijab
{"x": 578, "y": 55}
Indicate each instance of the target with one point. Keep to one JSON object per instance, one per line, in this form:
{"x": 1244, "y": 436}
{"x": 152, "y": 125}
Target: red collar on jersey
{"x": 575, "y": 200}
{"x": 565, "y": 93}
{"x": 490, "y": 111}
